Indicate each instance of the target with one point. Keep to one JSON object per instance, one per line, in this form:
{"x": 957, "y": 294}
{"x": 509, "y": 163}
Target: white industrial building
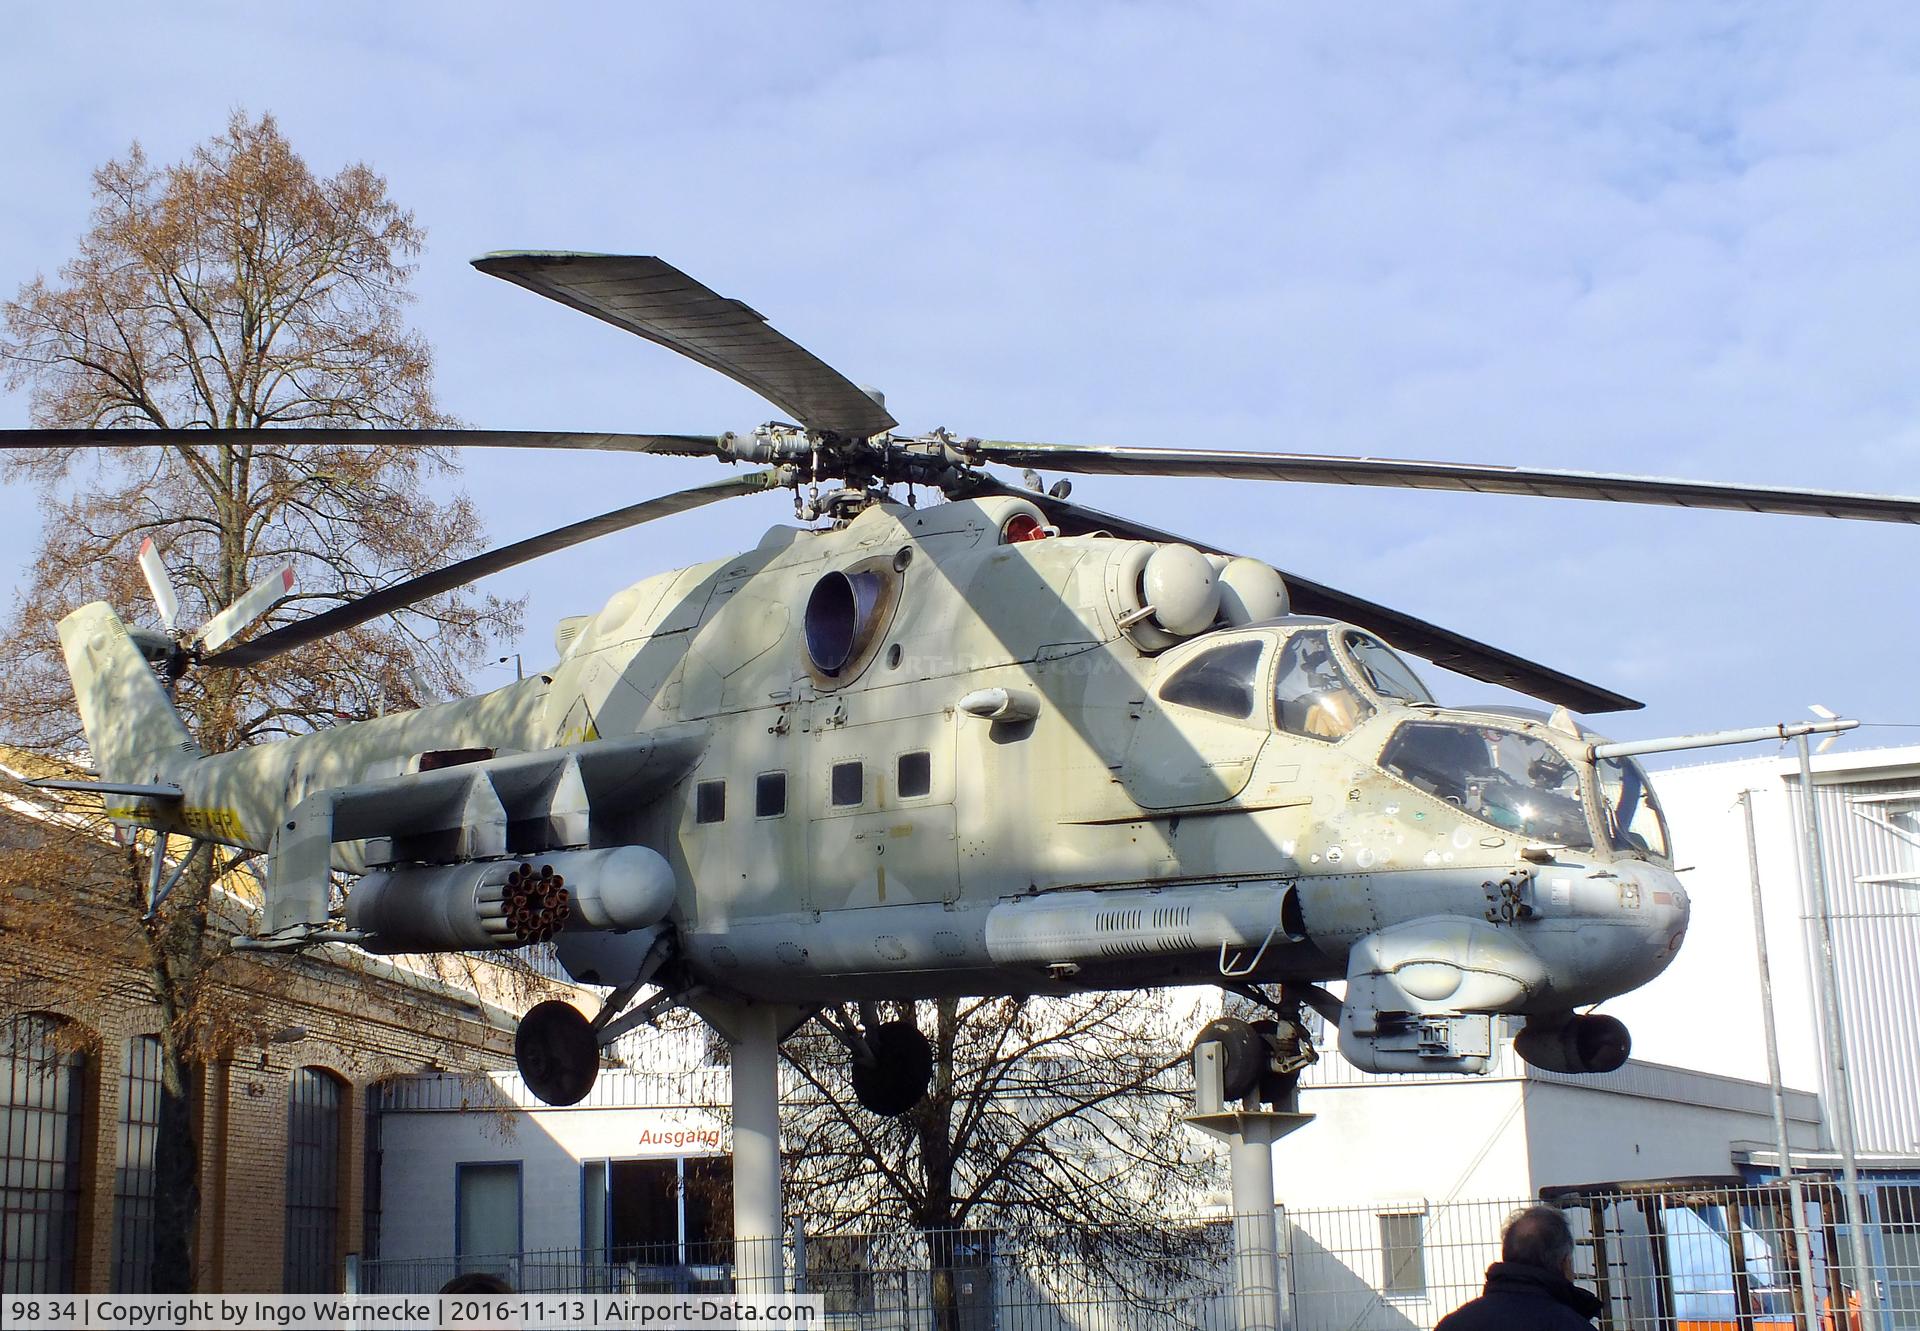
{"x": 1395, "y": 1192}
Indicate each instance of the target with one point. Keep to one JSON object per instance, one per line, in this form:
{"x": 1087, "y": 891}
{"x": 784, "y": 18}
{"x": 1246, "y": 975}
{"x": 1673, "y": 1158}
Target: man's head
{"x": 1538, "y": 1236}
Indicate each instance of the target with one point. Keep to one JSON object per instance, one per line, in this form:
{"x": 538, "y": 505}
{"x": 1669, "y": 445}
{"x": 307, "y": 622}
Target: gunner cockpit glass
{"x": 1224, "y": 680}
{"x": 1514, "y": 781}
{"x": 1632, "y": 817}
{"x": 1383, "y": 670}
{"x": 1312, "y": 695}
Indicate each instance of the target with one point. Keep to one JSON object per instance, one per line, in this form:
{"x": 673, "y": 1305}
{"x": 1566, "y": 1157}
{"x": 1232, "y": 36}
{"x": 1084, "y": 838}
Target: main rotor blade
{"x": 1482, "y": 478}
{"x": 403, "y": 594}
{"x": 650, "y": 297}
{"x": 1443, "y": 647}
{"x": 671, "y": 445}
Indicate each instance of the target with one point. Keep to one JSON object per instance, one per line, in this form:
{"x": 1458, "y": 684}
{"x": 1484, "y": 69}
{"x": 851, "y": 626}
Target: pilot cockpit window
{"x": 1383, "y": 669}
{"x": 1311, "y": 693}
{"x": 1223, "y": 679}
{"x": 1626, "y": 802}
{"x": 1514, "y": 781}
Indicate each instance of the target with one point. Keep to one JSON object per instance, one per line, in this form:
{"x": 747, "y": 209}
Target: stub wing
{"x": 522, "y": 803}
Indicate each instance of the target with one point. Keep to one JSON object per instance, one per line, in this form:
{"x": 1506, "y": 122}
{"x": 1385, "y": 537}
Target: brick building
{"x": 288, "y": 1179}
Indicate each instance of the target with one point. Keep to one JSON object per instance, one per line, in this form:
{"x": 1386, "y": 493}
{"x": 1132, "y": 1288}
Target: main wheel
{"x": 556, "y": 1052}
{"x": 1240, "y": 1068}
{"x": 901, "y": 1071}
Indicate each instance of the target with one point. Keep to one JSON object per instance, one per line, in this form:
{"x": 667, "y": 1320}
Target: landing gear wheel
{"x": 901, "y": 1071}
{"x": 1240, "y": 1069}
{"x": 557, "y": 1054}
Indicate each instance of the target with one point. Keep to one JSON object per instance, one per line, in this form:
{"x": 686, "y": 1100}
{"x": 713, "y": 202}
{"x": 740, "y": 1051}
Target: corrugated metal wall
{"x": 1872, "y": 870}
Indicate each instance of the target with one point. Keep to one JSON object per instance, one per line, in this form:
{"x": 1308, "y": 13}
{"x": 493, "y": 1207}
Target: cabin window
{"x": 1312, "y": 694}
{"x": 848, "y": 786}
{"x": 1221, "y": 680}
{"x": 915, "y": 775}
{"x": 770, "y": 795}
{"x": 1385, "y": 672}
{"x": 710, "y": 802}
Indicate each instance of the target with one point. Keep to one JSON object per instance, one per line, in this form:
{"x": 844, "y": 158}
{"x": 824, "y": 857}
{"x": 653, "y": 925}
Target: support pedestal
{"x": 759, "y": 1264}
{"x": 1250, "y": 1136}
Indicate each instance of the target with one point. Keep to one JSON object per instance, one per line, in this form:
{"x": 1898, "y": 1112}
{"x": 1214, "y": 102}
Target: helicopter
{"x": 1001, "y": 744}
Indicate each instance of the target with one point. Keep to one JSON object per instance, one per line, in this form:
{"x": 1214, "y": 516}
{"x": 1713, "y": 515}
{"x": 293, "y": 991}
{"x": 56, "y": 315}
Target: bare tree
{"x": 1053, "y": 1122}
{"x": 235, "y": 289}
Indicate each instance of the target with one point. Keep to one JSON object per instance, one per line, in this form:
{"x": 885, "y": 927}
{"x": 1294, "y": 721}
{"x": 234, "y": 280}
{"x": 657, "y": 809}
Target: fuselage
{"x": 858, "y": 820}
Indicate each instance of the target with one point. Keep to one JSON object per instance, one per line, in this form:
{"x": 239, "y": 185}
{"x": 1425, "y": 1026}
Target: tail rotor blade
{"x": 160, "y": 585}
{"x": 253, "y": 603}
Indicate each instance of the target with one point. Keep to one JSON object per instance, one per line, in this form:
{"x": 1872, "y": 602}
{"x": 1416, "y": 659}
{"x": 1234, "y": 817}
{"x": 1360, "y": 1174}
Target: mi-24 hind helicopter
{"x": 1004, "y": 744}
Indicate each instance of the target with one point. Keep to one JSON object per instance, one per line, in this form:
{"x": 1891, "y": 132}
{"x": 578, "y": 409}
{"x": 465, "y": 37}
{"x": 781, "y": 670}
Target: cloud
{"x": 1653, "y": 238}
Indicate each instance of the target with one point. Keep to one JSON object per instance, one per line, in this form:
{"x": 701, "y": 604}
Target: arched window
{"x": 42, "y": 1121}
{"x": 133, "y": 1166}
{"x": 315, "y": 1103}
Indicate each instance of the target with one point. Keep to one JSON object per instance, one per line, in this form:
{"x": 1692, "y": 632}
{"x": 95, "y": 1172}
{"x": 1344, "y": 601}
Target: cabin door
{"x": 879, "y": 803}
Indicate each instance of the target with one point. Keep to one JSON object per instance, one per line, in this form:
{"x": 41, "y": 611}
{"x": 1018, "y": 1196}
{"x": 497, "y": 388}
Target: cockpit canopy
{"x": 1517, "y": 782}
{"x": 1318, "y": 691}
{"x": 1328, "y": 680}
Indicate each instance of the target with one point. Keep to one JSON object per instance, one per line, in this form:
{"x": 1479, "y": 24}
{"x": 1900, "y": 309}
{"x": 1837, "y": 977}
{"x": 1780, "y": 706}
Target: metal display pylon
{"x": 1250, "y": 1133}
{"x": 752, "y": 1032}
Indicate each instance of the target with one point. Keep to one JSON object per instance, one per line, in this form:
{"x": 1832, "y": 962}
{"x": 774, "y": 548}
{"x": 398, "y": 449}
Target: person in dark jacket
{"x": 1531, "y": 1287}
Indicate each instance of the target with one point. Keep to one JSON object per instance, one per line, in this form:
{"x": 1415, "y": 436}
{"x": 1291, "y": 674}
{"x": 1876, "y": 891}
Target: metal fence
{"x": 1707, "y": 1255}
{"x": 959, "y": 1281}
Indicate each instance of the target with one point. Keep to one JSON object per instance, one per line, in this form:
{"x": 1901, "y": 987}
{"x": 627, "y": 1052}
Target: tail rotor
{"x": 175, "y": 650}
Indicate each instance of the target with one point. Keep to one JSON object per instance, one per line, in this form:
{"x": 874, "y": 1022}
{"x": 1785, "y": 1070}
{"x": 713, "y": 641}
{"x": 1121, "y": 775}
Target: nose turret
{"x": 1609, "y": 928}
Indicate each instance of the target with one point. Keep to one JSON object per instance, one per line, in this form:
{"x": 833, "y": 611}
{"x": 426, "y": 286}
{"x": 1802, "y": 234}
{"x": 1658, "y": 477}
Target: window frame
{"x": 900, "y": 775}
{"x": 460, "y": 1170}
{"x": 61, "y": 1087}
{"x": 1418, "y": 1250}
{"x": 686, "y": 1255}
{"x": 1260, "y": 713}
{"x": 760, "y": 786}
{"x": 710, "y": 801}
{"x": 334, "y": 1207}
{"x": 1365, "y": 708}
{"x": 134, "y": 1185}
{"x": 834, "y": 769}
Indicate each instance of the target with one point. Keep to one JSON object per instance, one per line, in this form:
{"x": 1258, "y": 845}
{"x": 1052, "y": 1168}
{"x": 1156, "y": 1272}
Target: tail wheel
{"x": 901, "y": 1070}
{"x": 558, "y": 1056}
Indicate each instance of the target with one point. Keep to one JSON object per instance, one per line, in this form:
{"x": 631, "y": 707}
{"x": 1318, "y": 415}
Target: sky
{"x": 1658, "y": 239}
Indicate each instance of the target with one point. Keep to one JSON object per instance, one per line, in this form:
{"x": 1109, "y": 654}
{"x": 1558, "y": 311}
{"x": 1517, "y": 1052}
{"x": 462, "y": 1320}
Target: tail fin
{"x": 132, "y": 729}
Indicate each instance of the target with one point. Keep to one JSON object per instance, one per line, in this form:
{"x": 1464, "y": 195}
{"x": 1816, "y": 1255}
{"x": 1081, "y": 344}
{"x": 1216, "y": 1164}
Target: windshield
{"x": 1311, "y": 693}
{"x": 1384, "y": 670}
{"x": 1626, "y": 802}
{"x": 1513, "y": 781}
